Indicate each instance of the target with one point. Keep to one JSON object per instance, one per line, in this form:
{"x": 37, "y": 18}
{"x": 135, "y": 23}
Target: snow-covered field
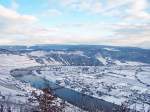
{"x": 115, "y": 84}
{"x": 8, "y": 85}
{"x": 14, "y": 92}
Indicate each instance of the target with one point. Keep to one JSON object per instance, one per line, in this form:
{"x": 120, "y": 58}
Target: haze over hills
{"x": 82, "y": 55}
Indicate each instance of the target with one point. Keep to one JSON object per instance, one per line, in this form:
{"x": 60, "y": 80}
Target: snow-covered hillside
{"x": 116, "y": 84}
{"x": 8, "y": 85}
{"x": 113, "y": 74}
{"x": 12, "y": 91}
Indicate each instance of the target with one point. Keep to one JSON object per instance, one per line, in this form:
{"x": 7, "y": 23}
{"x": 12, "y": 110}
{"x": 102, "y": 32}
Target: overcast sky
{"x": 110, "y": 22}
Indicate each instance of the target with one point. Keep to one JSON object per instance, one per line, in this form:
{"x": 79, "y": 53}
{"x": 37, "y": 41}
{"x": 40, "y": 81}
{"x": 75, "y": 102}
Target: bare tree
{"x": 122, "y": 108}
{"x": 1, "y": 108}
{"x": 9, "y": 109}
{"x": 47, "y": 102}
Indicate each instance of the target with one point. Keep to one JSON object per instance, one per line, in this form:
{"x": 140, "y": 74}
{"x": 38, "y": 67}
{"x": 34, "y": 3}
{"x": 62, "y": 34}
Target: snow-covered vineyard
{"x": 113, "y": 81}
{"x": 13, "y": 93}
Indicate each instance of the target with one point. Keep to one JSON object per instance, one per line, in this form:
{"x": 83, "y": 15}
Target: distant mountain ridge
{"x": 81, "y": 55}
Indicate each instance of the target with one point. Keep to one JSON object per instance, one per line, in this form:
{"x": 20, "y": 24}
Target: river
{"x": 78, "y": 99}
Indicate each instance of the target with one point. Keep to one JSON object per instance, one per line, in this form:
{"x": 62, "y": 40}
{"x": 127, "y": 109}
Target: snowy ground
{"x": 13, "y": 91}
{"x": 128, "y": 81}
{"x": 8, "y": 85}
{"x": 115, "y": 84}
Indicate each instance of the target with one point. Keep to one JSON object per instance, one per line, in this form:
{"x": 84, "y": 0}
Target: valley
{"x": 101, "y": 72}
